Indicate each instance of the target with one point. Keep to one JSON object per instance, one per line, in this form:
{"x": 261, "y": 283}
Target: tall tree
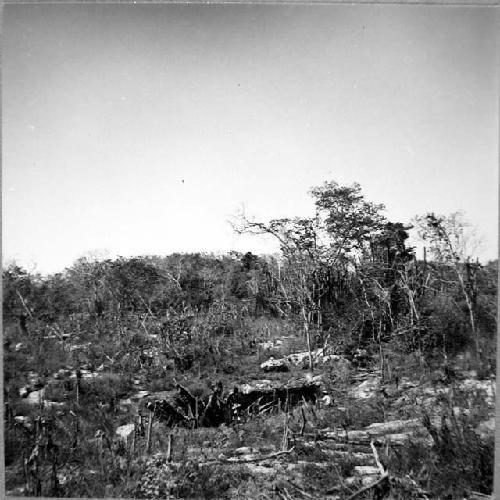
{"x": 452, "y": 242}
{"x": 334, "y": 238}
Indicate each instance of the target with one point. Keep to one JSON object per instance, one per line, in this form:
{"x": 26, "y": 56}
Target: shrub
{"x": 458, "y": 463}
{"x": 188, "y": 479}
{"x": 360, "y": 414}
{"x": 107, "y": 388}
{"x": 327, "y": 478}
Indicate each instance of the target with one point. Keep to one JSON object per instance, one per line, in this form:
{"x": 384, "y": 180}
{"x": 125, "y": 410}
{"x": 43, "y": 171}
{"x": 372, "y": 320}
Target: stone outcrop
{"x": 183, "y": 408}
{"x": 301, "y": 359}
{"x": 274, "y": 365}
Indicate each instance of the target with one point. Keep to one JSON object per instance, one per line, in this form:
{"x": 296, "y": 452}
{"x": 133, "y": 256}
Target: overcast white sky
{"x": 141, "y": 129}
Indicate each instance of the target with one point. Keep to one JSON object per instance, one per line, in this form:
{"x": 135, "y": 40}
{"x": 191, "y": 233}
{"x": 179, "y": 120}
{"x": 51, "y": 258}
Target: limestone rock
{"x": 260, "y": 469}
{"x": 366, "y": 470}
{"x": 124, "y": 431}
{"x": 139, "y": 395}
{"x": 271, "y": 344}
{"x": 245, "y": 450}
{"x": 35, "y": 397}
{"x": 274, "y": 365}
{"x": 327, "y": 400}
{"x": 299, "y": 358}
{"x": 486, "y": 429}
{"x": 367, "y": 389}
{"x": 24, "y": 391}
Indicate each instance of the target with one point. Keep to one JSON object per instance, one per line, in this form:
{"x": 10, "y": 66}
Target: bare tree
{"x": 452, "y": 243}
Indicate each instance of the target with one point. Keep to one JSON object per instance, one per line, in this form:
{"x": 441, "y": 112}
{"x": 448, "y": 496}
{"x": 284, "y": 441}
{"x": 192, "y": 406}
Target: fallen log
{"x": 234, "y": 460}
{"x": 382, "y": 486}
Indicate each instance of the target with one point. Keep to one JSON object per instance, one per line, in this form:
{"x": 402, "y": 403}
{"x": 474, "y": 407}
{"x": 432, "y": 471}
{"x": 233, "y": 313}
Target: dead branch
{"x": 479, "y": 496}
{"x": 243, "y": 225}
{"x": 325, "y": 437}
{"x": 147, "y": 307}
{"x": 381, "y": 468}
{"x": 304, "y": 421}
{"x": 25, "y": 306}
{"x": 249, "y": 460}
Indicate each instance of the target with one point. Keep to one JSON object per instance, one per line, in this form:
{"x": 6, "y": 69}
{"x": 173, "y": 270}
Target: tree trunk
{"x": 308, "y": 335}
{"x": 469, "y": 307}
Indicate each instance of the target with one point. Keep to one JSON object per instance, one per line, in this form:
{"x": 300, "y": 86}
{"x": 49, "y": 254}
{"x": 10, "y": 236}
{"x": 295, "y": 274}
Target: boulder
{"x": 86, "y": 373}
{"x": 23, "y": 421}
{"x": 257, "y": 385}
{"x": 319, "y": 357}
{"x": 274, "y": 365}
{"x": 300, "y": 358}
{"x": 139, "y": 395}
{"x": 260, "y": 397}
{"x": 124, "y": 431}
{"x": 245, "y": 450}
{"x": 486, "y": 429}
{"x": 486, "y": 387}
{"x": 260, "y": 469}
{"x": 24, "y": 391}
{"x": 267, "y": 345}
{"x": 35, "y": 397}
{"x": 367, "y": 389}
{"x": 366, "y": 470}
{"x": 271, "y": 344}
{"x": 327, "y": 400}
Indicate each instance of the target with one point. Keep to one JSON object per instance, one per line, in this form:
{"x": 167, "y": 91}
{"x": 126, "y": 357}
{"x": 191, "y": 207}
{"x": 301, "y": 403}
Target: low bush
{"x": 359, "y": 414}
{"x": 329, "y": 477}
{"x": 188, "y": 479}
{"x": 107, "y": 388}
{"x": 458, "y": 463}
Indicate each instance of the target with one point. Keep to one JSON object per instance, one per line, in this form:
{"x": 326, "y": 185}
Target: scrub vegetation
{"x": 343, "y": 367}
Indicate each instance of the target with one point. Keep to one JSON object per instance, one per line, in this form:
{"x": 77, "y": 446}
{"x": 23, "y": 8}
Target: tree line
{"x": 346, "y": 276}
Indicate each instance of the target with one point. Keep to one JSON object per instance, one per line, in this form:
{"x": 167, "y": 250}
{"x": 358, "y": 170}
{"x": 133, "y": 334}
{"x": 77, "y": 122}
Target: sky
{"x": 142, "y": 129}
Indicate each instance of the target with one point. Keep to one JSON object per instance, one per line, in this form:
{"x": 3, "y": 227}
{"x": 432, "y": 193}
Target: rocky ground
{"x": 353, "y": 441}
